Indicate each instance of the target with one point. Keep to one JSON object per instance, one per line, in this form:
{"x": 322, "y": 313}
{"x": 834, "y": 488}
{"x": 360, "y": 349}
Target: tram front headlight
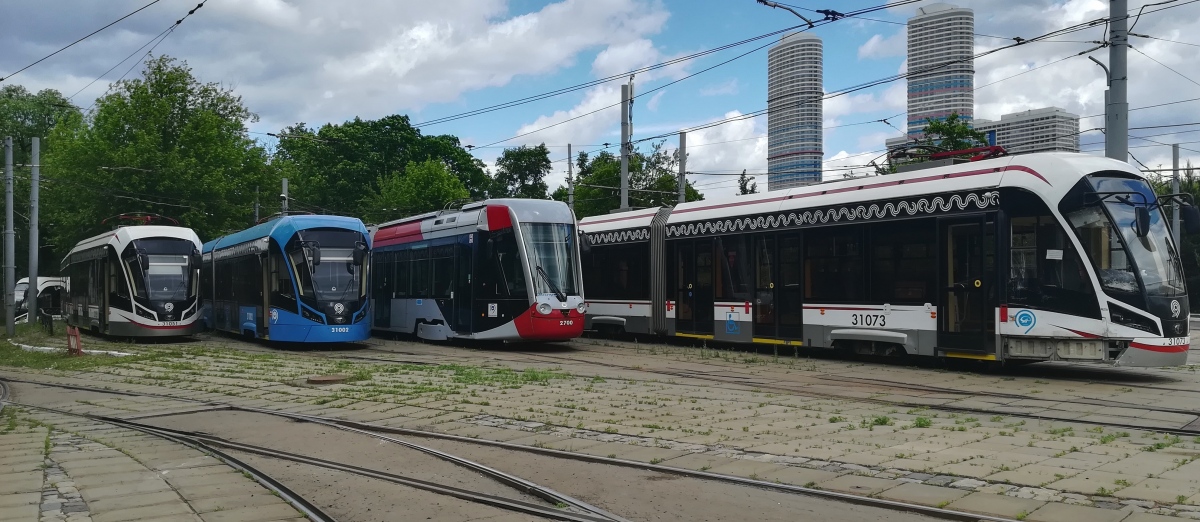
{"x": 581, "y": 307}
{"x": 544, "y": 308}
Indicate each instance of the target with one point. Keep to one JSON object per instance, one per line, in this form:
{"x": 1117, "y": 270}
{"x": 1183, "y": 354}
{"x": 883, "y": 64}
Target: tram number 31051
{"x": 868, "y": 320}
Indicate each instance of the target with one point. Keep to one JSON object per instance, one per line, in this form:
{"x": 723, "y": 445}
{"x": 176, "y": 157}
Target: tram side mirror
{"x": 1141, "y": 221}
{"x": 143, "y": 260}
{"x": 196, "y": 260}
{"x": 585, "y": 245}
{"x": 360, "y": 253}
{"x": 1190, "y": 215}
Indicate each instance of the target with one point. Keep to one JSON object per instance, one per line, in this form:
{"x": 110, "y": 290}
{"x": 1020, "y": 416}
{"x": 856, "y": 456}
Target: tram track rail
{"x": 381, "y": 431}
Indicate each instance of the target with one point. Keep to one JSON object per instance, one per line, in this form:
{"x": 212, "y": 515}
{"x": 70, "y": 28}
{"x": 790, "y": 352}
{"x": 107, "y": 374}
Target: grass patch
{"x": 13, "y": 356}
{"x": 922, "y": 422}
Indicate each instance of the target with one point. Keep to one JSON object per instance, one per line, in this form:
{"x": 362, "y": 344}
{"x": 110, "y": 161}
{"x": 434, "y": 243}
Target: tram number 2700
{"x": 868, "y": 320}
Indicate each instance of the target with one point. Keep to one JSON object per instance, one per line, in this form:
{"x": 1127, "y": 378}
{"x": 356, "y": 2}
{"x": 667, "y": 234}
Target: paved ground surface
{"x": 1047, "y": 442}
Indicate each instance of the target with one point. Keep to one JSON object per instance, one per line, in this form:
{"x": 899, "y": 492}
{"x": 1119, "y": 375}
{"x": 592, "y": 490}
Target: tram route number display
{"x": 868, "y": 320}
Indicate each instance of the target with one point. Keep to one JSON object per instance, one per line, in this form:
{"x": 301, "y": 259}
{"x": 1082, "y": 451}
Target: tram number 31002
{"x": 868, "y": 320}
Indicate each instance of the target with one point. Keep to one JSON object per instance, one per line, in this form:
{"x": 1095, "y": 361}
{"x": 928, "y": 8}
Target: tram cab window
{"x": 1045, "y": 271}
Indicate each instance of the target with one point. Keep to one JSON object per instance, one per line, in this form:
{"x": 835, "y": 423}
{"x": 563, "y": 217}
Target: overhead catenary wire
{"x": 72, "y": 44}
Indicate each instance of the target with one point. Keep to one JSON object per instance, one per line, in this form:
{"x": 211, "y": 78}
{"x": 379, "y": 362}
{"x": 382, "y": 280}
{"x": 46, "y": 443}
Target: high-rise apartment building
{"x": 938, "y": 35}
{"x": 1050, "y": 129}
{"x": 794, "y": 111}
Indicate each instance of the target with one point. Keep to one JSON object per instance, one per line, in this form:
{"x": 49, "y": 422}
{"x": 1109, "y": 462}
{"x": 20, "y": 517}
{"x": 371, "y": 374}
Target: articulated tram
{"x": 499, "y": 270}
{"x": 1036, "y": 257}
{"x": 135, "y": 281}
{"x": 293, "y": 279}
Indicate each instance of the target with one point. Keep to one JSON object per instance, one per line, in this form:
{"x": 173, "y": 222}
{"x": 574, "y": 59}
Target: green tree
{"x": 521, "y": 172}
{"x": 653, "y": 181}
{"x": 23, "y": 116}
{"x": 339, "y": 167}
{"x": 745, "y": 186}
{"x": 952, "y": 133}
{"x": 423, "y": 187}
{"x": 164, "y": 143}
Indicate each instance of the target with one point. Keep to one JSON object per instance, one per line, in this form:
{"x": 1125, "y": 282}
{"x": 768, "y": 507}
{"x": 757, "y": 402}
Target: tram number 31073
{"x": 868, "y": 320}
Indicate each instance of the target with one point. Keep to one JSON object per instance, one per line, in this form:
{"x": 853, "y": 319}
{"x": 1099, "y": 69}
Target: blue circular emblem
{"x": 1025, "y": 319}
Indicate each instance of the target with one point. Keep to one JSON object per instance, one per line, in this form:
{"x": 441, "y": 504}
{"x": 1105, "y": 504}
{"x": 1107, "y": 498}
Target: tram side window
{"x": 403, "y": 271}
{"x": 1045, "y": 271}
{"x": 833, "y": 264}
{"x": 420, "y": 272}
{"x": 618, "y": 272}
{"x": 116, "y": 278}
{"x": 383, "y": 279}
{"x": 903, "y": 263}
{"x": 442, "y": 258}
{"x": 734, "y": 269}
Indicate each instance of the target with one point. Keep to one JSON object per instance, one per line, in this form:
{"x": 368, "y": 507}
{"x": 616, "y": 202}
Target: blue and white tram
{"x": 1037, "y": 257}
{"x": 293, "y": 279}
{"x": 496, "y": 270}
{"x": 135, "y": 281}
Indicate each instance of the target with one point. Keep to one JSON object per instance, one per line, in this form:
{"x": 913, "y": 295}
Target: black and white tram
{"x": 135, "y": 281}
{"x": 1053, "y": 256}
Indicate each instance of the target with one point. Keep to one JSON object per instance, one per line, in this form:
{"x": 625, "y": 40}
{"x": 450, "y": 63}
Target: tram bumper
{"x": 1155, "y": 352}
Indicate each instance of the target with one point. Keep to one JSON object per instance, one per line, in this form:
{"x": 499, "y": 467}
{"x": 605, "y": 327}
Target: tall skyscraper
{"x": 938, "y": 34}
{"x": 794, "y": 111}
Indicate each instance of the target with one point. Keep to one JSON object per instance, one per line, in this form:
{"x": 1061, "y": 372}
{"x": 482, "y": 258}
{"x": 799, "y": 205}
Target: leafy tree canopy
{"x": 521, "y": 172}
{"x": 423, "y": 187}
{"x": 745, "y": 186}
{"x": 164, "y": 143}
{"x": 653, "y": 181}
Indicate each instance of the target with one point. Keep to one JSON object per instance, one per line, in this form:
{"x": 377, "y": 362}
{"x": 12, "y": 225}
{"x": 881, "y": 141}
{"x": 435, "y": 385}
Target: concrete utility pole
{"x": 1116, "y": 110}
{"x": 570, "y": 181}
{"x": 255, "y": 204}
{"x": 1175, "y": 190}
{"x": 626, "y": 95}
{"x": 682, "y": 166}
{"x": 31, "y": 293}
{"x": 10, "y": 269}
{"x": 283, "y": 199}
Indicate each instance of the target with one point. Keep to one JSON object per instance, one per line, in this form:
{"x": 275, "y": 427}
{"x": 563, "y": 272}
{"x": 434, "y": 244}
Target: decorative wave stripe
{"x": 935, "y": 205}
{"x": 620, "y": 236}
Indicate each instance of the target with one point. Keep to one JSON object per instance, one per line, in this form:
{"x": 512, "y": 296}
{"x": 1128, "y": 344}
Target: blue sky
{"x": 316, "y": 61}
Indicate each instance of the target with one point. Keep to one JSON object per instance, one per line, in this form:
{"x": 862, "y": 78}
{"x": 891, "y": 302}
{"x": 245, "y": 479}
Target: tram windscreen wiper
{"x": 562, "y": 298}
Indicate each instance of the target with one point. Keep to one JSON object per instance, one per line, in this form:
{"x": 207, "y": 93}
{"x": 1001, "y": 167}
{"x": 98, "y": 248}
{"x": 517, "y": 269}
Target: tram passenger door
{"x": 694, "y": 286}
{"x": 382, "y": 283}
{"x": 789, "y": 289}
{"x": 765, "y": 263}
{"x": 968, "y": 273}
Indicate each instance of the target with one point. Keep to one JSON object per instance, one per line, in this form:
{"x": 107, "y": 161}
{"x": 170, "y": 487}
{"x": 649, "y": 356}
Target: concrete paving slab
{"x": 1165, "y": 491}
{"x": 20, "y": 499}
{"x": 858, "y": 485}
{"x": 1147, "y": 517}
{"x": 1088, "y": 482}
{"x": 193, "y": 493}
{"x": 997, "y": 505}
{"x": 747, "y": 468}
{"x": 117, "y": 490}
{"x": 698, "y": 461}
{"x": 798, "y": 476}
{"x": 1141, "y": 464}
{"x": 118, "y": 503}
{"x": 140, "y": 513}
{"x": 226, "y": 503}
{"x": 572, "y": 444}
{"x": 27, "y": 512}
{"x": 103, "y": 467}
{"x": 265, "y": 513}
{"x": 923, "y": 494}
{"x": 1058, "y": 512}
{"x": 1033, "y": 475}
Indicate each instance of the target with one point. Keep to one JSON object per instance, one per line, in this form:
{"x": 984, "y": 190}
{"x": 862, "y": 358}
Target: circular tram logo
{"x": 1175, "y": 308}
{"x": 169, "y": 307}
{"x": 338, "y": 308}
{"x": 1025, "y": 319}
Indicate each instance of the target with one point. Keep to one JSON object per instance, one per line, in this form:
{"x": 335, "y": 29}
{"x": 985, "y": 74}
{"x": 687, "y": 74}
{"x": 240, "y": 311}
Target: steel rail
{"x": 941, "y": 513}
{"x": 300, "y": 503}
{"x": 205, "y": 442}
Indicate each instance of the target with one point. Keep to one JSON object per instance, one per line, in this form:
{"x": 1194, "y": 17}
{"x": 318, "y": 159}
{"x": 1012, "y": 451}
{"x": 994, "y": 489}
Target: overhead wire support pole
{"x": 570, "y": 181}
{"x": 1116, "y": 121}
{"x": 31, "y": 291}
{"x": 10, "y": 270}
{"x": 682, "y": 166}
{"x": 1175, "y": 190}
{"x": 626, "y": 96}
{"x": 283, "y": 199}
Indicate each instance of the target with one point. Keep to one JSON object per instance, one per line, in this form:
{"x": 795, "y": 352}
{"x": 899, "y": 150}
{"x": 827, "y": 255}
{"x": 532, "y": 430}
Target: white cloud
{"x": 727, "y": 149}
{"x": 727, "y": 87}
{"x": 893, "y": 98}
{"x": 879, "y": 47}
{"x": 652, "y": 105}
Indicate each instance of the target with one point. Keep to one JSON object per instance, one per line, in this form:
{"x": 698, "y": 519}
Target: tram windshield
{"x": 167, "y": 274}
{"x": 551, "y": 247}
{"x": 1122, "y": 259}
{"x": 333, "y": 275}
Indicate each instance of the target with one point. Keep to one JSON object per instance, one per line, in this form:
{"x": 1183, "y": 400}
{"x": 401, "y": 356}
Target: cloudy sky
{"x": 319, "y": 61}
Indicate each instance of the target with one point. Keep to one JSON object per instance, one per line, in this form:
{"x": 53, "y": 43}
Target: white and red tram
{"x": 1053, "y": 256}
{"x": 498, "y": 270}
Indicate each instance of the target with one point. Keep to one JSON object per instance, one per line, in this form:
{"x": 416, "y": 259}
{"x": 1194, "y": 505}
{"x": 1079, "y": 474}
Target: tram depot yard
{"x": 602, "y": 429}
